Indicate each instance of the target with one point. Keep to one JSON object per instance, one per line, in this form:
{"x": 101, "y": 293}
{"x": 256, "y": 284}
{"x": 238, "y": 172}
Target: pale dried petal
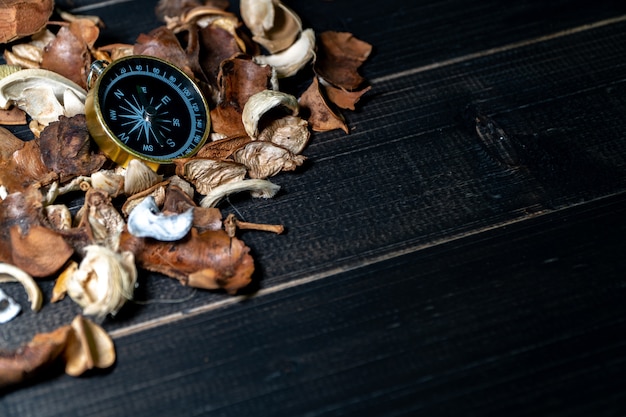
{"x": 258, "y": 188}
{"x": 88, "y": 347}
{"x": 289, "y": 132}
{"x": 206, "y": 174}
{"x": 104, "y": 281}
{"x": 273, "y": 25}
{"x": 10, "y": 273}
{"x": 264, "y": 159}
{"x": 288, "y": 62}
{"x": 139, "y": 177}
{"x": 261, "y": 103}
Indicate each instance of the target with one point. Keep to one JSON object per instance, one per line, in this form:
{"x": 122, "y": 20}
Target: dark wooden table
{"x": 426, "y": 269}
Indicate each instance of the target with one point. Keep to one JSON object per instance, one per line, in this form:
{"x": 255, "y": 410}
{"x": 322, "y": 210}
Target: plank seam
{"x": 500, "y": 49}
{"x": 355, "y": 265}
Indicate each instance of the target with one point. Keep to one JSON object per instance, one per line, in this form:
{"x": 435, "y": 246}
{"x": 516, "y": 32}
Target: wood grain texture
{"x": 507, "y": 322}
{"x": 424, "y": 270}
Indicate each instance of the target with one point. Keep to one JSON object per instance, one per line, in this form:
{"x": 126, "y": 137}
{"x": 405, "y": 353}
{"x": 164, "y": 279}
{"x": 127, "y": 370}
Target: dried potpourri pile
{"x": 168, "y": 221}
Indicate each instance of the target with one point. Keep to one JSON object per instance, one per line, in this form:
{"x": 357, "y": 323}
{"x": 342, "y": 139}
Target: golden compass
{"x": 145, "y": 108}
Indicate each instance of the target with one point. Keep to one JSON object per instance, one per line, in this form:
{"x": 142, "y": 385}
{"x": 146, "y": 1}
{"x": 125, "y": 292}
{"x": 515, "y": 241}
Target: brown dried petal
{"x": 265, "y": 159}
{"x": 321, "y": 118}
{"x": 26, "y": 361}
{"x": 12, "y": 117}
{"x": 208, "y": 260}
{"x": 66, "y": 148}
{"x": 163, "y": 43}
{"x": 239, "y": 78}
{"x": 223, "y": 148}
{"x": 40, "y": 251}
{"x": 339, "y": 55}
{"x": 68, "y": 54}
{"x": 342, "y": 98}
{"x": 9, "y": 143}
{"x": 19, "y": 18}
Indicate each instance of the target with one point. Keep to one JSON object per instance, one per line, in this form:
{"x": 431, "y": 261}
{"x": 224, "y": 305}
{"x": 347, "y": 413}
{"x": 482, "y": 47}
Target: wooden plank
{"x": 412, "y": 174}
{"x": 507, "y": 322}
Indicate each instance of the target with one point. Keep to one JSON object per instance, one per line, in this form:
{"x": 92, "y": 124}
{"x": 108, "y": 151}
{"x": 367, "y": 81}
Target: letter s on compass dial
{"x": 146, "y": 108}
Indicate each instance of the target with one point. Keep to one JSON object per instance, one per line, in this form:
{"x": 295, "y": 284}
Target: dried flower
{"x": 103, "y": 282}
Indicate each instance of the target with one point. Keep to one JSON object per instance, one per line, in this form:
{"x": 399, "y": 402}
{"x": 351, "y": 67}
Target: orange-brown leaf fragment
{"x": 208, "y": 260}
{"x": 339, "y": 55}
{"x": 40, "y": 251}
{"x": 321, "y": 118}
{"x": 68, "y": 54}
{"x": 239, "y": 79}
{"x": 25, "y": 362}
{"x": 20, "y": 18}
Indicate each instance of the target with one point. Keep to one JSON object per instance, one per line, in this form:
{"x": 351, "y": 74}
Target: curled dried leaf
{"x": 69, "y": 53}
{"x": 26, "y": 361}
{"x": 66, "y": 148}
{"x": 289, "y": 132}
{"x": 322, "y": 117}
{"x": 339, "y": 55}
{"x": 258, "y": 188}
{"x": 103, "y": 282}
{"x": 10, "y": 273}
{"x": 42, "y": 94}
{"x": 208, "y": 260}
{"x": 264, "y": 159}
{"x": 239, "y": 79}
{"x": 288, "y": 62}
{"x": 206, "y": 174}
{"x": 261, "y": 103}
{"x": 273, "y": 25}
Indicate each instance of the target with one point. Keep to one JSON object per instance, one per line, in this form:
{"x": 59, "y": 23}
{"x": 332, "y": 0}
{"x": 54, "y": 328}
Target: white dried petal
{"x": 40, "y": 93}
{"x": 10, "y": 273}
{"x": 104, "y": 281}
{"x": 273, "y": 25}
{"x": 9, "y": 309}
{"x": 109, "y": 181}
{"x": 59, "y": 216}
{"x": 139, "y": 177}
{"x": 288, "y": 62}
{"x": 146, "y": 221}
{"x": 257, "y": 187}
{"x": 261, "y": 103}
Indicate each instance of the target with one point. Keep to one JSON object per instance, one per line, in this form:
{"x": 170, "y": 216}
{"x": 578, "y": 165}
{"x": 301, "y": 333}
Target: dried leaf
{"x": 221, "y": 149}
{"x": 38, "y": 251}
{"x": 265, "y": 159}
{"x": 12, "y": 117}
{"x": 321, "y": 118}
{"x": 342, "y": 98}
{"x": 20, "y": 18}
{"x": 339, "y": 55}
{"x": 206, "y": 174}
{"x": 209, "y": 260}
{"x": 66, "y": 148}
{"x": 25, "y": 362}
{"x": 68, "y": 54}
{"x": 163, "y": 43}
{"x": 239, "y": 79}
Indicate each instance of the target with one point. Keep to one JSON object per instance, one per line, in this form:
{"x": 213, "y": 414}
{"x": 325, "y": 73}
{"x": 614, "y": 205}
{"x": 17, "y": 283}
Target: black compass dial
{"x": 152, "y": 108}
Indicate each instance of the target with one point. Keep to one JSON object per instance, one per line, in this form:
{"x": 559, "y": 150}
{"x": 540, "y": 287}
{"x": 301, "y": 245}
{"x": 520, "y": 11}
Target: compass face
{"x": 152, "y": 109}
